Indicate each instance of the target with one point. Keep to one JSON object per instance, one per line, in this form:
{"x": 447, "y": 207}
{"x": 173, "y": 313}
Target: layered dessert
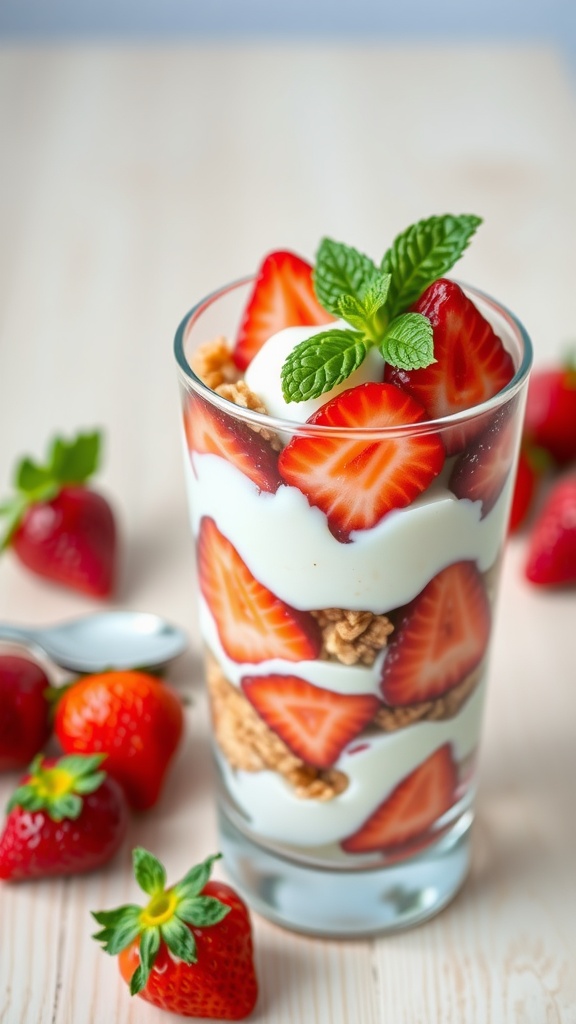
{"x": 350, "y": 463}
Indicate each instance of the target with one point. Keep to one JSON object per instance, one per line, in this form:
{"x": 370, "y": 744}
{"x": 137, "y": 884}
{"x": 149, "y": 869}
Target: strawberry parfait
{"x": 351, "y": 435}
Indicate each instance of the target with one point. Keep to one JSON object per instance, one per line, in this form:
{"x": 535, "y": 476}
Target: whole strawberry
{"x": 189, "y": 950}
{"x": 66, "y": 817}
{"x": 57, "y": 526}
{"x": 552, "y": 546}
{"x": 532, "y": 464}
{"x": 133, "y": 718}
{"x": 24, "y": 711}
{"x": 550, "y": 420}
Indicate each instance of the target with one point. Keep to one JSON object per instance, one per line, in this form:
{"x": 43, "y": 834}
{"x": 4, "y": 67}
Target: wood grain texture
{"x": 133, "y": 181}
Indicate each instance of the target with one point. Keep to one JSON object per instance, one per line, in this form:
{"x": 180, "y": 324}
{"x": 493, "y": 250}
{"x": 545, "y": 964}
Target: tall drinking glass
{"x": 346, "y": 673}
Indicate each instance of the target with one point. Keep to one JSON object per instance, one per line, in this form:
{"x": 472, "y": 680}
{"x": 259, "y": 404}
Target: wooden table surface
{"x": 133, "y": 181}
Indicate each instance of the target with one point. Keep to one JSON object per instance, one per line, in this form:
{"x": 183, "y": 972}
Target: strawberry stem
{"x": 68, "y": 463}
{"x": 58, "y": 788}
{"x": 165, "y": 918}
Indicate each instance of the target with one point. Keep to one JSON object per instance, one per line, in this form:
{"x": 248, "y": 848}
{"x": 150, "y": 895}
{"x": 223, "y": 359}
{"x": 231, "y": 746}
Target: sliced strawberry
{"x": 411, "y": 808}
{"x": 356, "y": 482}
{"x": 283, "y": 296}
{"x": 211, "y": 431}
{"x": 315, "y": 723}
{"x": 253, "y": 624}
{"x": 482, "y": 469}
{"x": 471, "y": 364}
{"x": 440, "y": 639}
{"x": 552, "y": 546}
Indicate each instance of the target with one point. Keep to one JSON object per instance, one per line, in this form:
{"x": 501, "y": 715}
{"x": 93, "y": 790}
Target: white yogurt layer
{"x": 263, "y": 373}
{"x": 374, "y": 771}
{"x": 288, "y": 547}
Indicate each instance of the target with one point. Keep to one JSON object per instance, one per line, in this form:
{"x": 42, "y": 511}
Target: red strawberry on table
{"x": 440, "y": 638}
{"x": 471, "y": 364}
{"x": 189, "y": 949}
{"x": 133, "y": 718}
{"x": 253, "y": 624}
{"x": 283, "y": 296}
{"x": 66, "y": 817}
{"x": 532, "y": 462}
{"x": 550, "y": 420}
{"x": 482, "y": 469}
{"x": 551, "y": 557}
{"x": 356, "y": 482}
{"x": 315, "y": 723}
{"x": 56, "y": 525}
{"x": 24, "y": 711}
{"x": 211, "y": 431}
{"x": 411, "y": 808}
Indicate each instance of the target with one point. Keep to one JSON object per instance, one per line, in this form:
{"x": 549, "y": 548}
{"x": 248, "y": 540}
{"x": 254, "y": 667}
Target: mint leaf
{"x": 340, "y": 270}
{"x": 321, "y": 363}
{"x": 374, "y": 295}
{"x": 408, "y": 342}
{"x": 360, "y": 312}
{"x": 352, "y": 311}
{"x": 422, "y": 253}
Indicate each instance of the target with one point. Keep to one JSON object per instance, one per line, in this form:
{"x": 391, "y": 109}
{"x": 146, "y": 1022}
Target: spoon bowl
{"x": 104, "y": 640}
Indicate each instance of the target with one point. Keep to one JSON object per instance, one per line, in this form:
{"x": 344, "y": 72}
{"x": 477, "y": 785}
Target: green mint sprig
{"x": 67, "y": 463}
{"x": 373, "y": 300}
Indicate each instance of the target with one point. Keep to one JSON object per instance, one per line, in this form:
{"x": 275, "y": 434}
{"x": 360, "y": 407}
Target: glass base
{"x": 347, "y": 904}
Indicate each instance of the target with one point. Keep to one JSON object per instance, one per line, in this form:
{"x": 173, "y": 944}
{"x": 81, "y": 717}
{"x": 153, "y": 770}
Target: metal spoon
{"x": 94, "y": 643}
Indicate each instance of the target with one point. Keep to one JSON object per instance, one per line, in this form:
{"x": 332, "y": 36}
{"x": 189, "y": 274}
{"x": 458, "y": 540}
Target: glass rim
{"x": 190, "y": 379}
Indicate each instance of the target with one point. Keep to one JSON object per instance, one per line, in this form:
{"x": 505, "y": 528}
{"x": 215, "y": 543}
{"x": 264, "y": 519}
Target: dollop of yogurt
{"x": 263, "y": 373}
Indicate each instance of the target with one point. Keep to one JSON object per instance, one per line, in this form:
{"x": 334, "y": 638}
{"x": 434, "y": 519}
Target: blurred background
{"x": 521, "y": 21}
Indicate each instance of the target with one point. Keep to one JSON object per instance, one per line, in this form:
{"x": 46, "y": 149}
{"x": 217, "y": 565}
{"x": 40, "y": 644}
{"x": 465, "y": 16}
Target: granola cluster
{"x": 446, "y": 706}
{"x": 212, "y": 362}
{"x": 352, "y": 637}
{"x": 249, "y": 745}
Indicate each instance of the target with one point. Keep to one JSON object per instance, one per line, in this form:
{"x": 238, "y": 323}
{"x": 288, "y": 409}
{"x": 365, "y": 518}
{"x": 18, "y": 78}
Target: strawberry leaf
{"x": 72, "y": 462}
{"x": 340, "y": 270}
{"x": 321, "y": 363}
{"x": 57, "y": 789}
{"x": 202, "y": 911}
{"x": 408, "y": 342}
{"x": 150, "y": 873}
{"x": 422, "y": 253}
{"x": 69, "y": 462}
{"x": 179, "y": 940}
{"x": 149, "y": 946}
{"x": 195, "y": 879}
{"x": 126, "y": 929}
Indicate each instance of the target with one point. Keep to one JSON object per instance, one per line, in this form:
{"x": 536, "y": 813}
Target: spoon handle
{"x": 18, "y": 634}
